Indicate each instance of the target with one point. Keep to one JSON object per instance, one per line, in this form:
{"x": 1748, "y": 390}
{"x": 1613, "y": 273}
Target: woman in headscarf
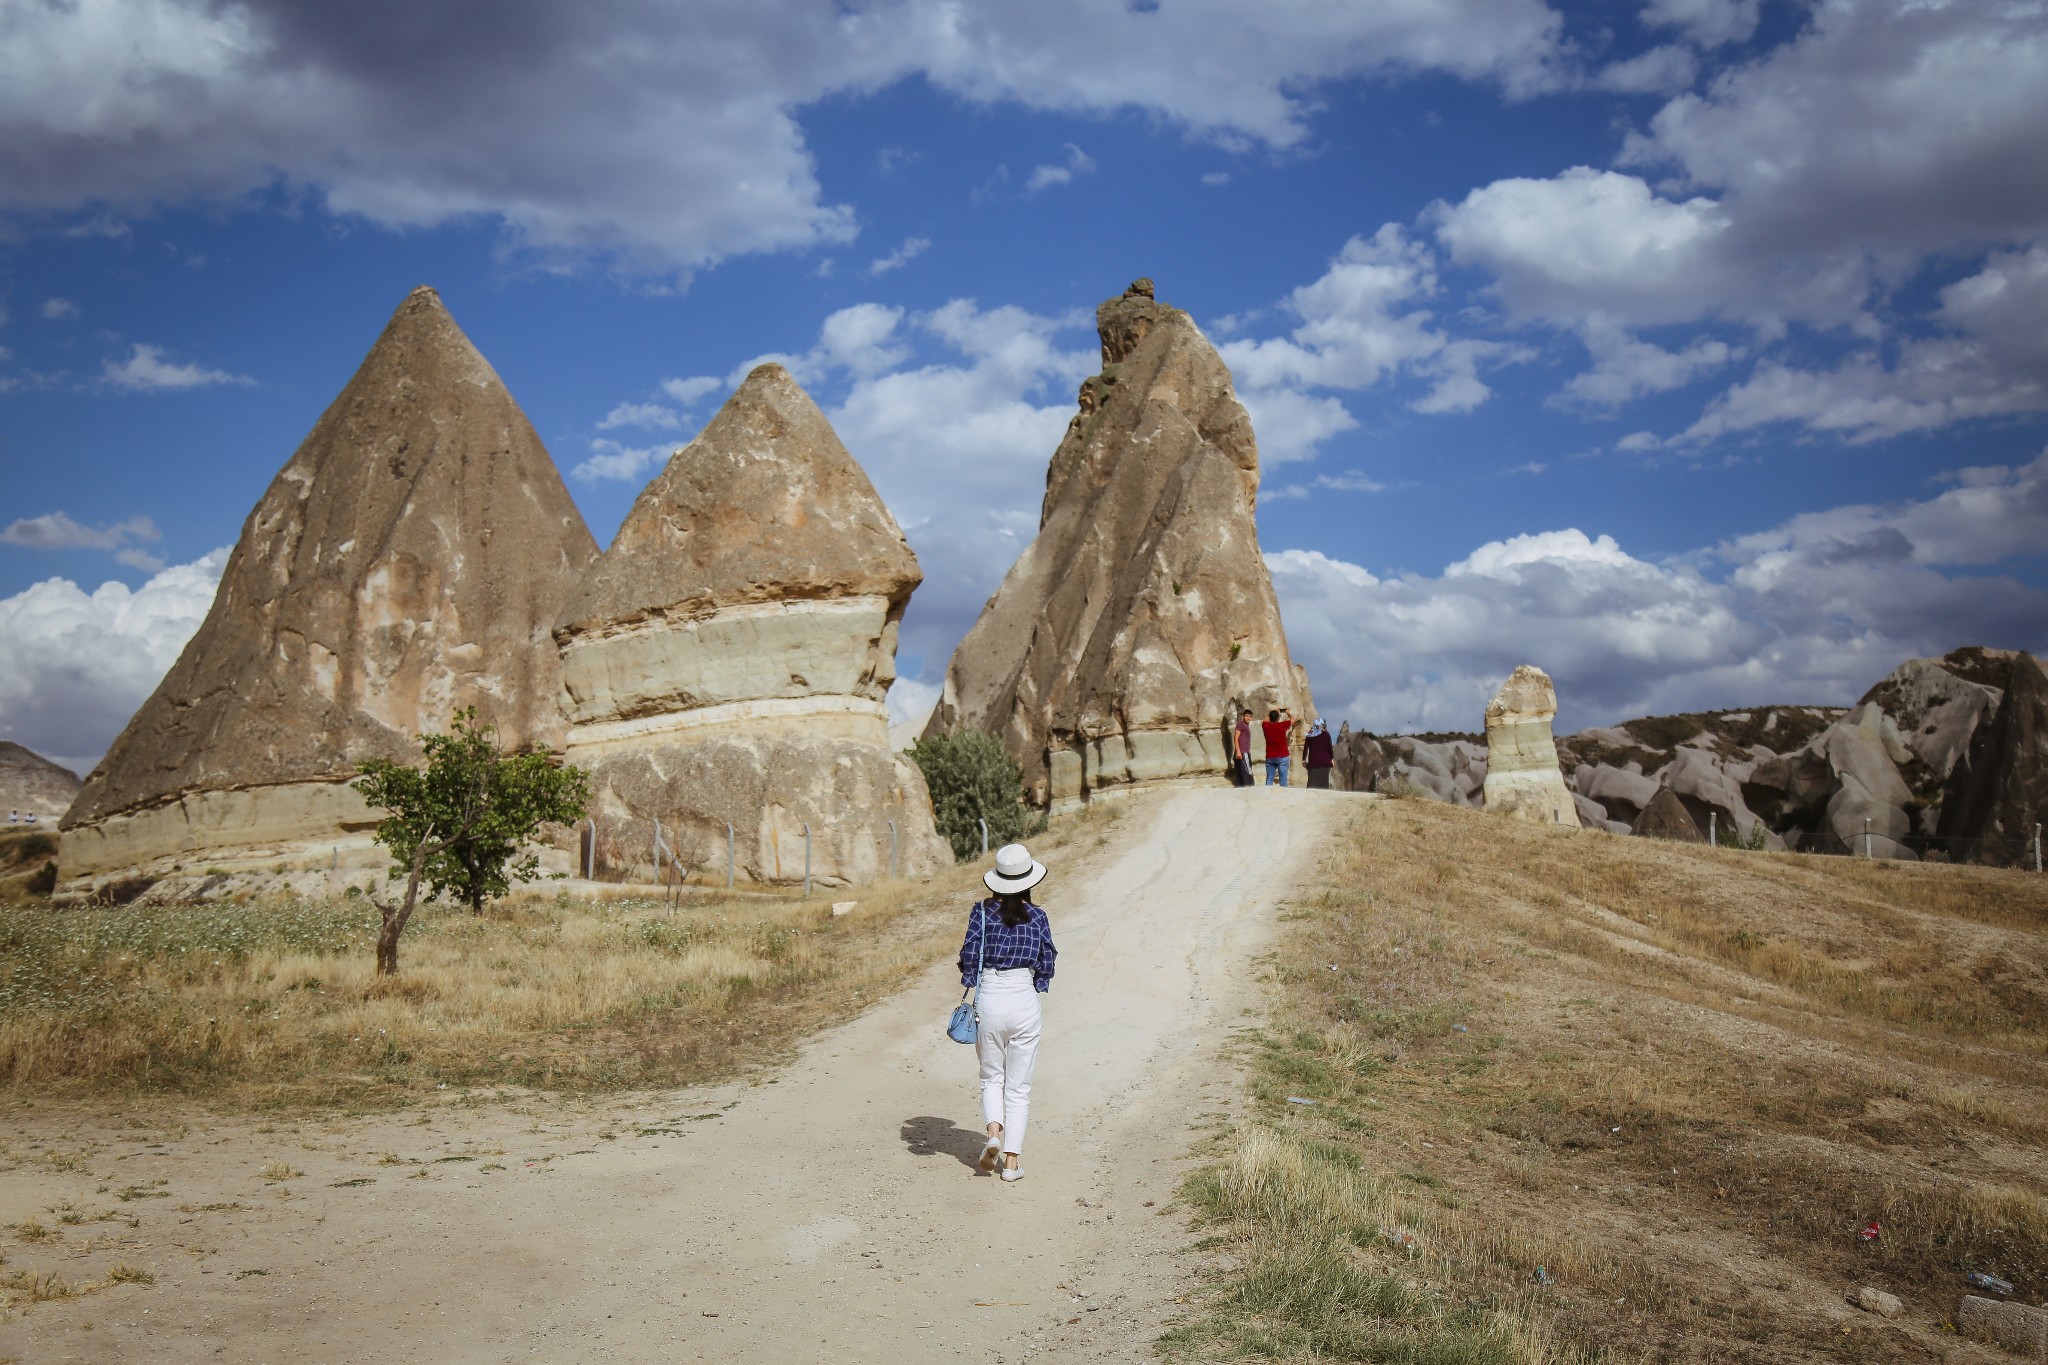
{"x": 1319, "y": 754}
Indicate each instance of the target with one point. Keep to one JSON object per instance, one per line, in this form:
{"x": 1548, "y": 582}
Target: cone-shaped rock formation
{"x": 726, "y": 661}
{"x": 32, "y": 785}
{"x": 1522, "y": 774}
{"x": 1142, "y": 616}
{"x": 409, "y": 559}
{"x": 1666, "y": 817}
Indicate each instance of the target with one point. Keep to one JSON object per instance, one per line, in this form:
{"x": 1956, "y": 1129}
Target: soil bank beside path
{"x": 828, "y": 1211}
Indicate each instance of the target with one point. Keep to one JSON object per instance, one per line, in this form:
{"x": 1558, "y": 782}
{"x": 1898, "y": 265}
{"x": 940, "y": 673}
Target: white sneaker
{"x": 991, "y": 1156}
{"x": 1013, "y": 1172}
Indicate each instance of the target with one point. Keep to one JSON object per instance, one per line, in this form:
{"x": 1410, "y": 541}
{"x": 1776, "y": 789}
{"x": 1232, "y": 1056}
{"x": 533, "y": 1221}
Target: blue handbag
{"x": 966, "y": 1020}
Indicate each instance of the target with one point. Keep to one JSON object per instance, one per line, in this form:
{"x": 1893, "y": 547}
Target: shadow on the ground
{"x": 927, "y": 1135}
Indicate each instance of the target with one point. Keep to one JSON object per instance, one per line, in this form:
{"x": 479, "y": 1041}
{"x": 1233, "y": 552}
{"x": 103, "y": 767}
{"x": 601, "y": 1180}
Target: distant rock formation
{"x": 1522, "y": 775}
{"x": 1667, "y": 818}
{"x": 1142, "y": 616}
{"x": 32, "y": 785}
{"x": 408, "y": 560}
{"x": 1997, "y": 794}
{"x": 1804, "y": 777}
{"x": 727, "y": 659}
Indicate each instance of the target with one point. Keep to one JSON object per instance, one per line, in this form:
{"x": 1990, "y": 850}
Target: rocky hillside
{"x": 32, "y": 785}
{"x": 1931, "y": 762}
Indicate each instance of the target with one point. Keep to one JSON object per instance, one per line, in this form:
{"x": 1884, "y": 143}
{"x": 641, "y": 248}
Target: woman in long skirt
{"x": 1007, "y": 961}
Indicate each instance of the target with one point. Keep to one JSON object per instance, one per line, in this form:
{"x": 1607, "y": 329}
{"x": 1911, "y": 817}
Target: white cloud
{"x": 1710, "y": 23}
{"x": 1042, "y": 177}
{"x": 146, "y": 370}
{"x": 78, "y": 664}
{"x": 1350, "y": 481}
{"x": 1625, "y": 367}
{"x": 1806, "y": 185}
{"x": 912, "y": 248}
{"x": 689, "y": 391}
{"x": 1215, "y": 179}
{"x": 57, "y": 531}
{"x": 957, "y": 446}
{"x": 647, "y": 416}
{"x": 660, "y": 137}
{"x": 1358, "y": 324}
{"x": 1594, "y": 243}
{"x": 1659, "y": 71}
{"x": 58, "y": 310}
{"x": 1885, "y": 124}
{"x": 1814, "y": 610}
{"x": 625, "y": 464}
{"x": 910, "y": 700}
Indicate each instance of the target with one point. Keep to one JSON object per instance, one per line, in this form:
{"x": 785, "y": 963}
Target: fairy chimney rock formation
{"x": 409, "y": 559}
{"x": 1142, "y": 616}
{"x": 1522, "y": 774}
{"x": 727, "y": 659}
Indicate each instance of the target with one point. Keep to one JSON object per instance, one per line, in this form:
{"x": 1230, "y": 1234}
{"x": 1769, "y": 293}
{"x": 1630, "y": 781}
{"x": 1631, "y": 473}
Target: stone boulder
{"x": 1710, "y": 786}
{"x": 1667, "y": 818}
{"x": 727, "y": 660}
{"x": 1936, "y": 711}
{"x": 32, "y": 785}
{"x": 1998, "y": 790}
{"x": 1360, "y": 761}
{"x": 408, "y": 560}
{"x": 1522, "y": 775}
{"x": 1142, "y": 615}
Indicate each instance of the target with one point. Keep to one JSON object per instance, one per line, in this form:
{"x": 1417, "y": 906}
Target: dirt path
{"x": 827, "y": 1212}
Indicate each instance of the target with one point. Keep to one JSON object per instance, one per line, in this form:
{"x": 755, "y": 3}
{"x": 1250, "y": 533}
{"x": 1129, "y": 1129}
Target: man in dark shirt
{"x": 1279, "y": 730}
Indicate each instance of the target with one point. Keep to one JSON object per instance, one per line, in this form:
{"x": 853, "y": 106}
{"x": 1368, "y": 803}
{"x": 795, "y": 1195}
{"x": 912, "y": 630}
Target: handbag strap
{"x": 980, "y": 957}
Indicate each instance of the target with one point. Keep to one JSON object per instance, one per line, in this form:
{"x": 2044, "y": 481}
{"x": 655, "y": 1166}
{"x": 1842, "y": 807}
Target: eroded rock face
{"x": 409, "y": 559}
{"x": 1141, "y": 616}
{"x": 32, "y": 785}
{"x": 1522, "y": 775}
{"x": 1998, "y": 790}
{"x": 728, "y": 658}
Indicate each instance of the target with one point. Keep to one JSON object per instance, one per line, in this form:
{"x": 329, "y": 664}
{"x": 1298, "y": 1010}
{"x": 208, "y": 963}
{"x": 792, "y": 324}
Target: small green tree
{"x": 972, "y": 778}
{"x": 461, "y": 822}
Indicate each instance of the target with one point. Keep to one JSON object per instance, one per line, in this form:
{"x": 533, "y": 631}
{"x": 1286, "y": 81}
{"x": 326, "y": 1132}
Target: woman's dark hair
{"x": 1014, "y": 907}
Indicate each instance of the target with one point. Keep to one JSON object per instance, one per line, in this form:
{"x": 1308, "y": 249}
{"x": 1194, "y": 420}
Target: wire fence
{"x": 1993, "y": 850}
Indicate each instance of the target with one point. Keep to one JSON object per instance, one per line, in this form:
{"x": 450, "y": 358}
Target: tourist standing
{"x": 1006, "y": 961}
{"x": 1241, "y": 750}
{"x": 1319, "y": 754}
{"x": 1279, "y": 730}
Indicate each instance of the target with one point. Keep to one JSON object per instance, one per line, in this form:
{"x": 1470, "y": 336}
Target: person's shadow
{"x": 928, "y": 1135}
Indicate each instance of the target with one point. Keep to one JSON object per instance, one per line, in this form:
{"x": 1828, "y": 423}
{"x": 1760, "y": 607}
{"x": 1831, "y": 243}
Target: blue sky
{"x": 1690, "y": 349}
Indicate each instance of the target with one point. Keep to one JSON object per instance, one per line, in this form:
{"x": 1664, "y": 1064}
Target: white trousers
{"x": 1006, "y": 1044}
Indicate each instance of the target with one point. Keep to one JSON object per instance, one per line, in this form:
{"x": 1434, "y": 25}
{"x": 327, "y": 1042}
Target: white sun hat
{"x": 1016, "y": 870}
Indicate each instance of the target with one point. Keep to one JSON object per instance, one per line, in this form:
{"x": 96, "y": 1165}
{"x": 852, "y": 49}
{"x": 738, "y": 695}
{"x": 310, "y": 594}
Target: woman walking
{"x": 1007, "y": 962}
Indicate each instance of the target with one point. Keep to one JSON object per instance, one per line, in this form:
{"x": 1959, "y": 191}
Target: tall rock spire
{"x": 1142, "y": 616}
{"x": 410, "y": 558}
{"x": 726, "y": 662}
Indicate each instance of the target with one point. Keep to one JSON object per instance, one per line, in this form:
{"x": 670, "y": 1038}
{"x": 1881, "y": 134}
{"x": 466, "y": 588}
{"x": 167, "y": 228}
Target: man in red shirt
{"x": 1279, "y": 730}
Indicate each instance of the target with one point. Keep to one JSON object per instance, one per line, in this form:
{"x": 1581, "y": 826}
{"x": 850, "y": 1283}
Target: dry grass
{"x": 1628, "y": 1100}
{"x": 276, "y": 1002}
{"x": 279, "y": 1001}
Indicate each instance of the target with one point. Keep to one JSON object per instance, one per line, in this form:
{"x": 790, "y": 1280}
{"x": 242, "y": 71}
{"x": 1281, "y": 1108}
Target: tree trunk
{"x": 395, "y": 918}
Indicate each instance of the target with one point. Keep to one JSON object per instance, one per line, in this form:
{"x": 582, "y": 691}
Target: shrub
{"x": 972, "y": 778}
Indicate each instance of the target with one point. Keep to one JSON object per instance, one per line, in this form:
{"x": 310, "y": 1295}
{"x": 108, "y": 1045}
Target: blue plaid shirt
{"x": 1009, "y": 945}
